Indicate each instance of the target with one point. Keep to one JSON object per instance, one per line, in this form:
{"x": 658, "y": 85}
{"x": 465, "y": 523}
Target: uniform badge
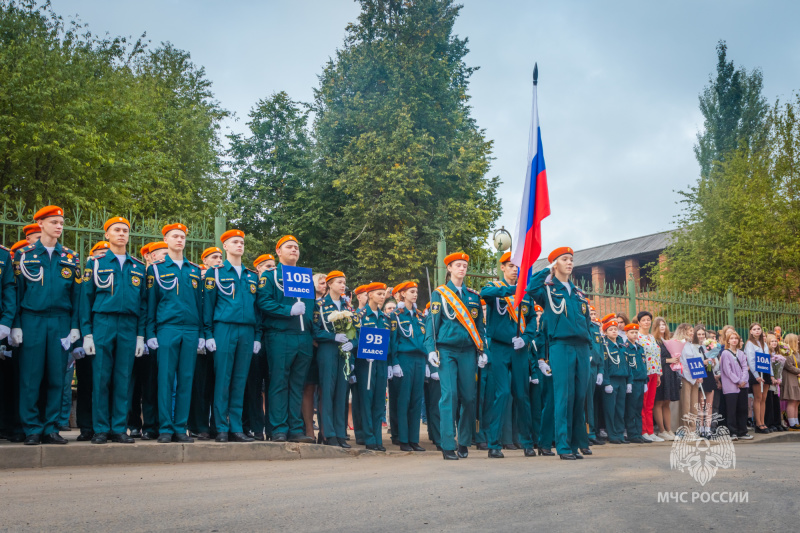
{"x": 17, "y": 270}
{"x": 194, "y": 283}
{"x": 597, "y": 339}
{"x": 150, "y": 280}
{"x": 66, "y": 273}
{"x": 422, "y": 328}
{"x": 252, "y": 288}
{"x": 436, "y": 307}
{"x": 316, "y": 315}
{"x": 583, "y": 309}
{"x": 262, "y": 283}
{"x": 525, "y": 310}
{"x": 135, "y": 280}
{"x": 394, "y": 325}
{"x": 474, "y": 312}
{"x": 69, "y": 256}
{"x": 209, "y": 283}
{"x": 87, "y": 273}
{"x": 1, "y": 270}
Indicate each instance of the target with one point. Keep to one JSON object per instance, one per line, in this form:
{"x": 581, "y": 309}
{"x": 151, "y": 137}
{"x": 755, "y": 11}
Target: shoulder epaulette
{"x": 362, "y": 312}
{"x": 193, "y": 264}
{"x": 212, "y": 266}
{"x": 473, "y": 291}
{"x": 251, "y": 270}
{"x": 137, "y": 260}
{"x": 28, "y": 248}
{"x": 157, "y": 262}
{"x": 4, "y": 248}
{"x": 68, "y": 251}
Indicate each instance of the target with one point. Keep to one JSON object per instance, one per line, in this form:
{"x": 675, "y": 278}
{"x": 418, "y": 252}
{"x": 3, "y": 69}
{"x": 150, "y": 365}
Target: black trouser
{"x": 736, "y": 412}
{"x": 83, "y": 405}
{"x": 772, "y": 410}
{"x": 10, "y": 423}
{"x": 143, "y": 411}
{"x": 255, "y": 400}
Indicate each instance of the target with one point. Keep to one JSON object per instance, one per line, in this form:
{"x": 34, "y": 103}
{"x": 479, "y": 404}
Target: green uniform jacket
{"x": 8, "y": 289}
{"x": 127, "y": 294}
{"x": 449, "y": 331}
{"x": 276, "y": 309}
{"x": 636, "y": 361}
{"x": 500, "y": 327}
{"x": 620, "y": 369}
{"x": 58, "y": 291}
{"x": 229, "y": 298}
{"x": 168, "y": 305}
{"x": 570, "y": 326}
{"x": 408, "y": 334}
{"x": 368, "y": 318}
{"x": 324, "y": 330}
{"x": 597, "y": 352}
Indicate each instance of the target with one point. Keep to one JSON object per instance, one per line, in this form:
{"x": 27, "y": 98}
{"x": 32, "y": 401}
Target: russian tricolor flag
{"x": 527, "y": 239}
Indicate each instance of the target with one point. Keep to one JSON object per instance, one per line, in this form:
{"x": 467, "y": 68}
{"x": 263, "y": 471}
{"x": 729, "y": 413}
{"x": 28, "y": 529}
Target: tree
{"x": 399, "y": 158}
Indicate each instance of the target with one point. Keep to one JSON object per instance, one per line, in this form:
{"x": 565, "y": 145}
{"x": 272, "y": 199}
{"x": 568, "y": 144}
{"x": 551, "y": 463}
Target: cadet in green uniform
{"x": 332, "y": 372}
{"x": 408, "y": 361}
{"x": 637, "y": 386}
{"x": 287, "y": 325}
{"x": 454, "y": 340}
{"x": 48, "y": 288}
{"x": 355, "y": 406}
{"x": 8, "y": 294}
{"x": 112, "y": 318}
{"x": 229, "y": 310}
{"x": 175, "y": 329}
{"x": 433, "y": 395}
{"x": 616, "y": 380}
{"x": 510, "y": 361}
{"x": 566, "y": 329}
{"x": 597, "y": 354}
{"x": 10, "y": 425}
{"x": 545, "y": 426}
{"x": 372, "y": 375}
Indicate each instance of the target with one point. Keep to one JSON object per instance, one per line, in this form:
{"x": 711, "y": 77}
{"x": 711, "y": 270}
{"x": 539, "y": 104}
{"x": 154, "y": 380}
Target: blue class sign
{"x": 298, "y": 282}
{"x": 696, "y": 367}
{"x": 762, "y": 363}
{"x": 373, "y": 343}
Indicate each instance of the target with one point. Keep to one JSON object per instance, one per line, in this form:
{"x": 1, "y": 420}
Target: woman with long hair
{"x": 790, "y": 388}
{"x": 669, "y": 389}
{"x": 772, "y": 410}
{"x": 652, "y": 354}
{"x": 733, "y": 375}
{"x": 690, "y": 387}
{"x": 757, "y": 342}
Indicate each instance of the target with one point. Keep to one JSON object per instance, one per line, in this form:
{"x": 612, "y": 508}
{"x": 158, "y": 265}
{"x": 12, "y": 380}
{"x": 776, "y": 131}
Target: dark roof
{"x": 616, "y": 250}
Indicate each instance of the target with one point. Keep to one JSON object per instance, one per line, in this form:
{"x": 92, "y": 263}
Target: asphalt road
{"x": 616, "y": 489}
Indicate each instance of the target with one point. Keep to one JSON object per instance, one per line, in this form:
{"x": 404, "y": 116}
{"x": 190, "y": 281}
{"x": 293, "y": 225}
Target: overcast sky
{"x": 618, "y": 84}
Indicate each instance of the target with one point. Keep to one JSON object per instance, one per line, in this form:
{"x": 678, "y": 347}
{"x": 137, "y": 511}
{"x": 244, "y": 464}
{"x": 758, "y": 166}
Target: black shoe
{"x": 373, "y": 447}
{"x": 222, "y": 436}
{"x": 463, "y": 452}
{"x": 482, "y": 446}
{"x": 586, "y": 451}
{"x": 182, "y": 437}
{"x": 240, "y": 437}
{"x": 100, "y": 438}
{"x": 416, "y": 447}
{"x": 332, "y": 441}
{"x": 495, "y": 454}
{"x": 381, "y": 448}
{"x": 203, "y": 435}
{"x": 53, "y": 438}
{"x": 149, "y": 435}
{"x": 33, "y": 440}
{"x": 615, "y": 441}
{"x": 123, "y": 438}
{"x": 547, "y": 452}
{"x": 279, "y": 437}
{"x": 567, "y": 456}
{"x": 304, "y": 439}
{"x": 406, "y": 448}
{"x": 360, "y": 442}
{"x": 136, "y": 433}
{"x": 164, "y": 438}
{"x": 347, "y": 436}
{"x": 625, "y": 441}
{"x": 449, "y": 455}
{"x": 258, "y": 436}
{"x": 577, "y": 456}
{"x": 530, "y": 452}
{"x": 320, "y": 438}
{"x": 636, "y": 440}
{"x": 343, "y": 443}
{"x": 598, "y": 442}
{"x": 85, "y": 436}
{"x": 510, "y": 447}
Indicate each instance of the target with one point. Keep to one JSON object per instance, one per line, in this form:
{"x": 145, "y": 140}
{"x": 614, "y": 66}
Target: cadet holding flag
{"x": 112, "y": 318}
{"x": 175, "y": 329}
{"x": 48, "y": 287}
{"x": 230, "y": 324}
{"x": 454, "y": 340}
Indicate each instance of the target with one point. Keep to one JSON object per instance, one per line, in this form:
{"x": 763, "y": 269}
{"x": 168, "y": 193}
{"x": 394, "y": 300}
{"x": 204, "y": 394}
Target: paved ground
{"x": 616, "y": 489}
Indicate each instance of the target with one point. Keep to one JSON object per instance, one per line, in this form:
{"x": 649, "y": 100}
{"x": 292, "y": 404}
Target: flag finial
{"x": 536, "y": 73}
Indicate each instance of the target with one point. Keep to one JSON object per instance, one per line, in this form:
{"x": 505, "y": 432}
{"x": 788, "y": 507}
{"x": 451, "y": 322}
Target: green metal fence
{"x": 82, "y": 229}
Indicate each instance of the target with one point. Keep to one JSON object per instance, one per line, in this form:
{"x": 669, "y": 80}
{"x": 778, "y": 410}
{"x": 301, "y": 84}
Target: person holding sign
{"x": 616, "y": 382}
{"x": 692, "y": 352}
{"x": 758, "y": 362}
{"x": 372, "y": 372}
{"x": 455, "y": 340}
{"x": 288, "y": 328}
{"x": 638, "y": 385}
{"x": 175, "y": 329}
{"x": 407, "y": 358}
{"x": 733, "y": 377}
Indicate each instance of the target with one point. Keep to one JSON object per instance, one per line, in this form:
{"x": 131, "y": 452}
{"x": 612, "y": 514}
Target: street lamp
{"x": 502, "y": 240}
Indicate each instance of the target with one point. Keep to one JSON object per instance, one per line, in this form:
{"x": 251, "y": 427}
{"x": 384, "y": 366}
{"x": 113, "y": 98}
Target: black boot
{"x": 222, "y": 436}
{"x": 100, "y": 438}
{"x": 449, "y": 455}
{"x": 463, "y": 452}
{"x": 495, "y": 454}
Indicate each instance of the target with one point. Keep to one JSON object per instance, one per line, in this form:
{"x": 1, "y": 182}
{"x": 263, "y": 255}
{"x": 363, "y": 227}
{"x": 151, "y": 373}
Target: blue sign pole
{"x": 298, "y": 283}
{"x": 763, "y": 366}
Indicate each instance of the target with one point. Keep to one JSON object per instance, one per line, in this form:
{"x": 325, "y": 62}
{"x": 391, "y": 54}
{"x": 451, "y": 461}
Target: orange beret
{"x": 404, "y": 286}
{"x": 538, "y": 309}
{"x": 169, "y": 227}
{"x": 591, "y": 308}
{"x": 49, "y": 211}
{"x": 506, "y": 257}
{"x": 284, "y": 239}
{"x": 231, "y": 233}
{"x": 376, "y": 286}
{"x": 99, "y": 246}
{"x": 261, "y": 258}
{"x": 361, "y": 288}
{"x": 144, "y": 250}
{"x": 631, "y": 326}
{"x": 209, "y": 251}
{"x": 483, "y": 302}
{"x": 558, "y": 252}
{"x": 333, "y": 275}
{"x": 609, "y": 324}
{"x": 116, "y": 220}
{"x": 153, "y": 246}
{"x": 608, "y": 317}
{"x": 32, "y": 228}
{"x": 458, "y": 256}
{"x": 18, "y": 245}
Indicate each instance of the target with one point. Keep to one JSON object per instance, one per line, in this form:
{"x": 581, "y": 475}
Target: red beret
{"x": 116, "y": 220}
{"x": 48, "y": 211}
{"x": 169, "y": 227}
{"x": 558, "y": 252}
{"x": 231, "y": 233}
{"x": 458, "y": 256}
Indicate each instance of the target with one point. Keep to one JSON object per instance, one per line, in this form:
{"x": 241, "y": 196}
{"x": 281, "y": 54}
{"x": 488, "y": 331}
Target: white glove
{"x": 482, "y": 360}
{"x": 139, "y": 347}
{"x": 628, "y": 389}
{"x": 16, "y": 336}
{"x": 346, "y": 347}
{"x": 401, "y": 305}
{"x": 535, "y": 381}
{"x": 518, "y": 343}
{"x": 201, "y": 344}
{"x": 152, "y": 343}
{"x": 645, "y": 387}
{"x": 65, "y": 342}
{"x": 427, "y": 371}
{"x": 341, "y": 338}
{"x": 352, "y": 379}
{"x": 599, "y": 379}
{"x": 545, "y": 368}
{"x": 256, "y": 346}
{"x": 435, "y": 376}
{"x": 211, "y": 345}
{"x": 88, "y": 345}
{"x": 609, "y": 389}
{"x": 552, "y": 265}
{"x": 4, "y": 331}
{"x": 74, "y": 334}
{"x": 298, "y": 308}
{"x": 78, "y": 353}
{"x": 146, "y": 349}
{"x": 397, "y": 371}
{"x": 390, "y": 373}
{"x": 4, "y": 353}
{"x": 433, "y": 359}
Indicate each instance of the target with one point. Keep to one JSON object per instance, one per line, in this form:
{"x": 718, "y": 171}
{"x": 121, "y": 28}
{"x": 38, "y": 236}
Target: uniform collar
{"x": 110, "y": 257}
{"x": 456, "y": 290}
{"x": 39, "y": 246}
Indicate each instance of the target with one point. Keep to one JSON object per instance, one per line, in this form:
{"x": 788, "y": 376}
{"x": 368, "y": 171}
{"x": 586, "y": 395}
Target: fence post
{"x": 731, "y": 314}
{"x": 631, "y": 297}
{"x": 219, "y": 229}
{"x": 441, "y": 252}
